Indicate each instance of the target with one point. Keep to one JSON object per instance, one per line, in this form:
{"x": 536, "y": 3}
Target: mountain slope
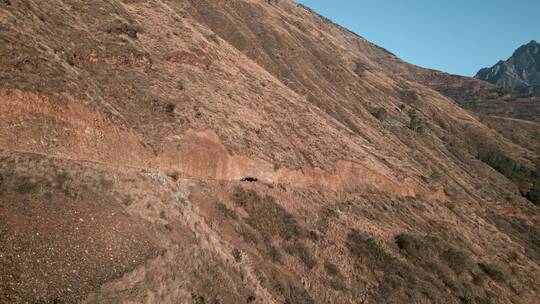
{"x": 520, "y": 72}
{"x": 144, "y": 117}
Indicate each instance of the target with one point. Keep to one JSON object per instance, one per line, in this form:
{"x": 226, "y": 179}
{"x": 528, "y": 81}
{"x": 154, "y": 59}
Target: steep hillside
{"x": 126, "y": 127}
{"x": 520, "y": 72}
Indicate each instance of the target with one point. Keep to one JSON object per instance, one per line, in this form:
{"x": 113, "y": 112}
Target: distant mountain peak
{"x": 521, "y": 72}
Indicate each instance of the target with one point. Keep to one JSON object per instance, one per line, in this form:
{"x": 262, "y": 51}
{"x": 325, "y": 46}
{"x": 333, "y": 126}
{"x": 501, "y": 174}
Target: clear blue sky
{"x": 455, "y": 36}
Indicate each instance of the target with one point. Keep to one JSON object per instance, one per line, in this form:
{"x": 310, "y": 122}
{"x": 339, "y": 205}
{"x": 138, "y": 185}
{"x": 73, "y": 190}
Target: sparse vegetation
{"x": 214, "y": 38}
{"x": 337, "y": 284}
{"x": 162, "y": 215}
{"x": 514, "y": 171}
{"x": 70, "y": 58}
{"x": 331, "y": 268}
{"x": 26, "y": 186}
{"x": 424, "y": 266}
{"x": 505, "y": 165}
{"x": 261, "y": 276}
{"x": 266, "y": 216}
{"x": 449, "y": 264}
{"x": 495, "y": 271}
{"x": 174, "y": 175}
{"x": 313, "y": 235}
{"x": 247, "y": 235}
{"x": 534, "y": 194}
{"x": 360, "y": 68}
{"x": 273, "y": 253}
{"x": 292, "y": 293}
{"x": 335, "y": 167}
{"x": 198, "y": 299}
{"x": 226, "y": 212}
{"x": 169, "y": 108}
{"x": 379, "y": 113}
{"x": 103, "y": 182}
{"x": 237, "y": 254}
{"x": 360, "y": 245}
{"x": 119, "y": 27}
{"x": 326, "y": 214}
{"x": 303, "y": 253}
{"x": 416, "y": 124}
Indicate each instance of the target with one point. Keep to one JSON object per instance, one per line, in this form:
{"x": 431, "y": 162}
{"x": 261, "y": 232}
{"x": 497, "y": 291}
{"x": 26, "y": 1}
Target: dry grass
{"x": 266, "y": 216}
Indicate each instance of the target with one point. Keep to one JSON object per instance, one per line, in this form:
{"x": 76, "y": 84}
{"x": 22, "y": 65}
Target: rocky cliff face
{"x": 521, "y": 72}
{"x": 127, "y": 125}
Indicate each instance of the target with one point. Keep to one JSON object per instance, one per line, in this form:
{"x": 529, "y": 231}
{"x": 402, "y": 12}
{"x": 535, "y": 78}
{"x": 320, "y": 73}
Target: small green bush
{"x": 505, "y": 165}
{"x": 534, "y": 194}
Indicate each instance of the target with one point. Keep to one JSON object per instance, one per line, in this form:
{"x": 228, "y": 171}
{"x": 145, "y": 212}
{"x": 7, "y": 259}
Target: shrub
{"x": 266, "y": 216}
{"x": 174, "y": 175}
{"x": 416, "y": 124}
{"x": 295, "y": 294}
{"x": 247, "y": 236}
{"x": 227, "y": 213}
{"x": 198, "y": 299}
{"x": 430, "y": 250}
{"x": 261, "y": 276}
{"x": 237, "y": 254}
{"x": 103, "y": 182}
{"x": 273, "y": 253}
{"x": 534, "y": 194}
{"x": 379, "y": 113}
{"x": 119, "y": 27}
{"x": 331, "y": 268}
{"x": 302, "y": 252}
{"x": 169, "y": 108}
{"x": 338, "y": 284}
{"x": 504, "y": 165}
{"x": 514, "y": 171}
{"x": 70, "y": 58}
{"x": 373, "y": 248}
{"x": 214, "y": 38}
{"x": 26, "y": 186}
{"x": 494, "y": 271}
{"x": 360, "y": 68}
{"x": 458, "y": 261}
{"x": 313, "y": 235}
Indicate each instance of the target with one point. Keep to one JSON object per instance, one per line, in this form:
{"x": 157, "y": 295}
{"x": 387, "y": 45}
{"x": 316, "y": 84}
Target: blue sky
{"x": 455, "y": 36}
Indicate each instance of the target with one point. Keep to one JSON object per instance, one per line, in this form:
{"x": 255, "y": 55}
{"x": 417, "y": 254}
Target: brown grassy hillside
{"x": 127, "y": 125}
